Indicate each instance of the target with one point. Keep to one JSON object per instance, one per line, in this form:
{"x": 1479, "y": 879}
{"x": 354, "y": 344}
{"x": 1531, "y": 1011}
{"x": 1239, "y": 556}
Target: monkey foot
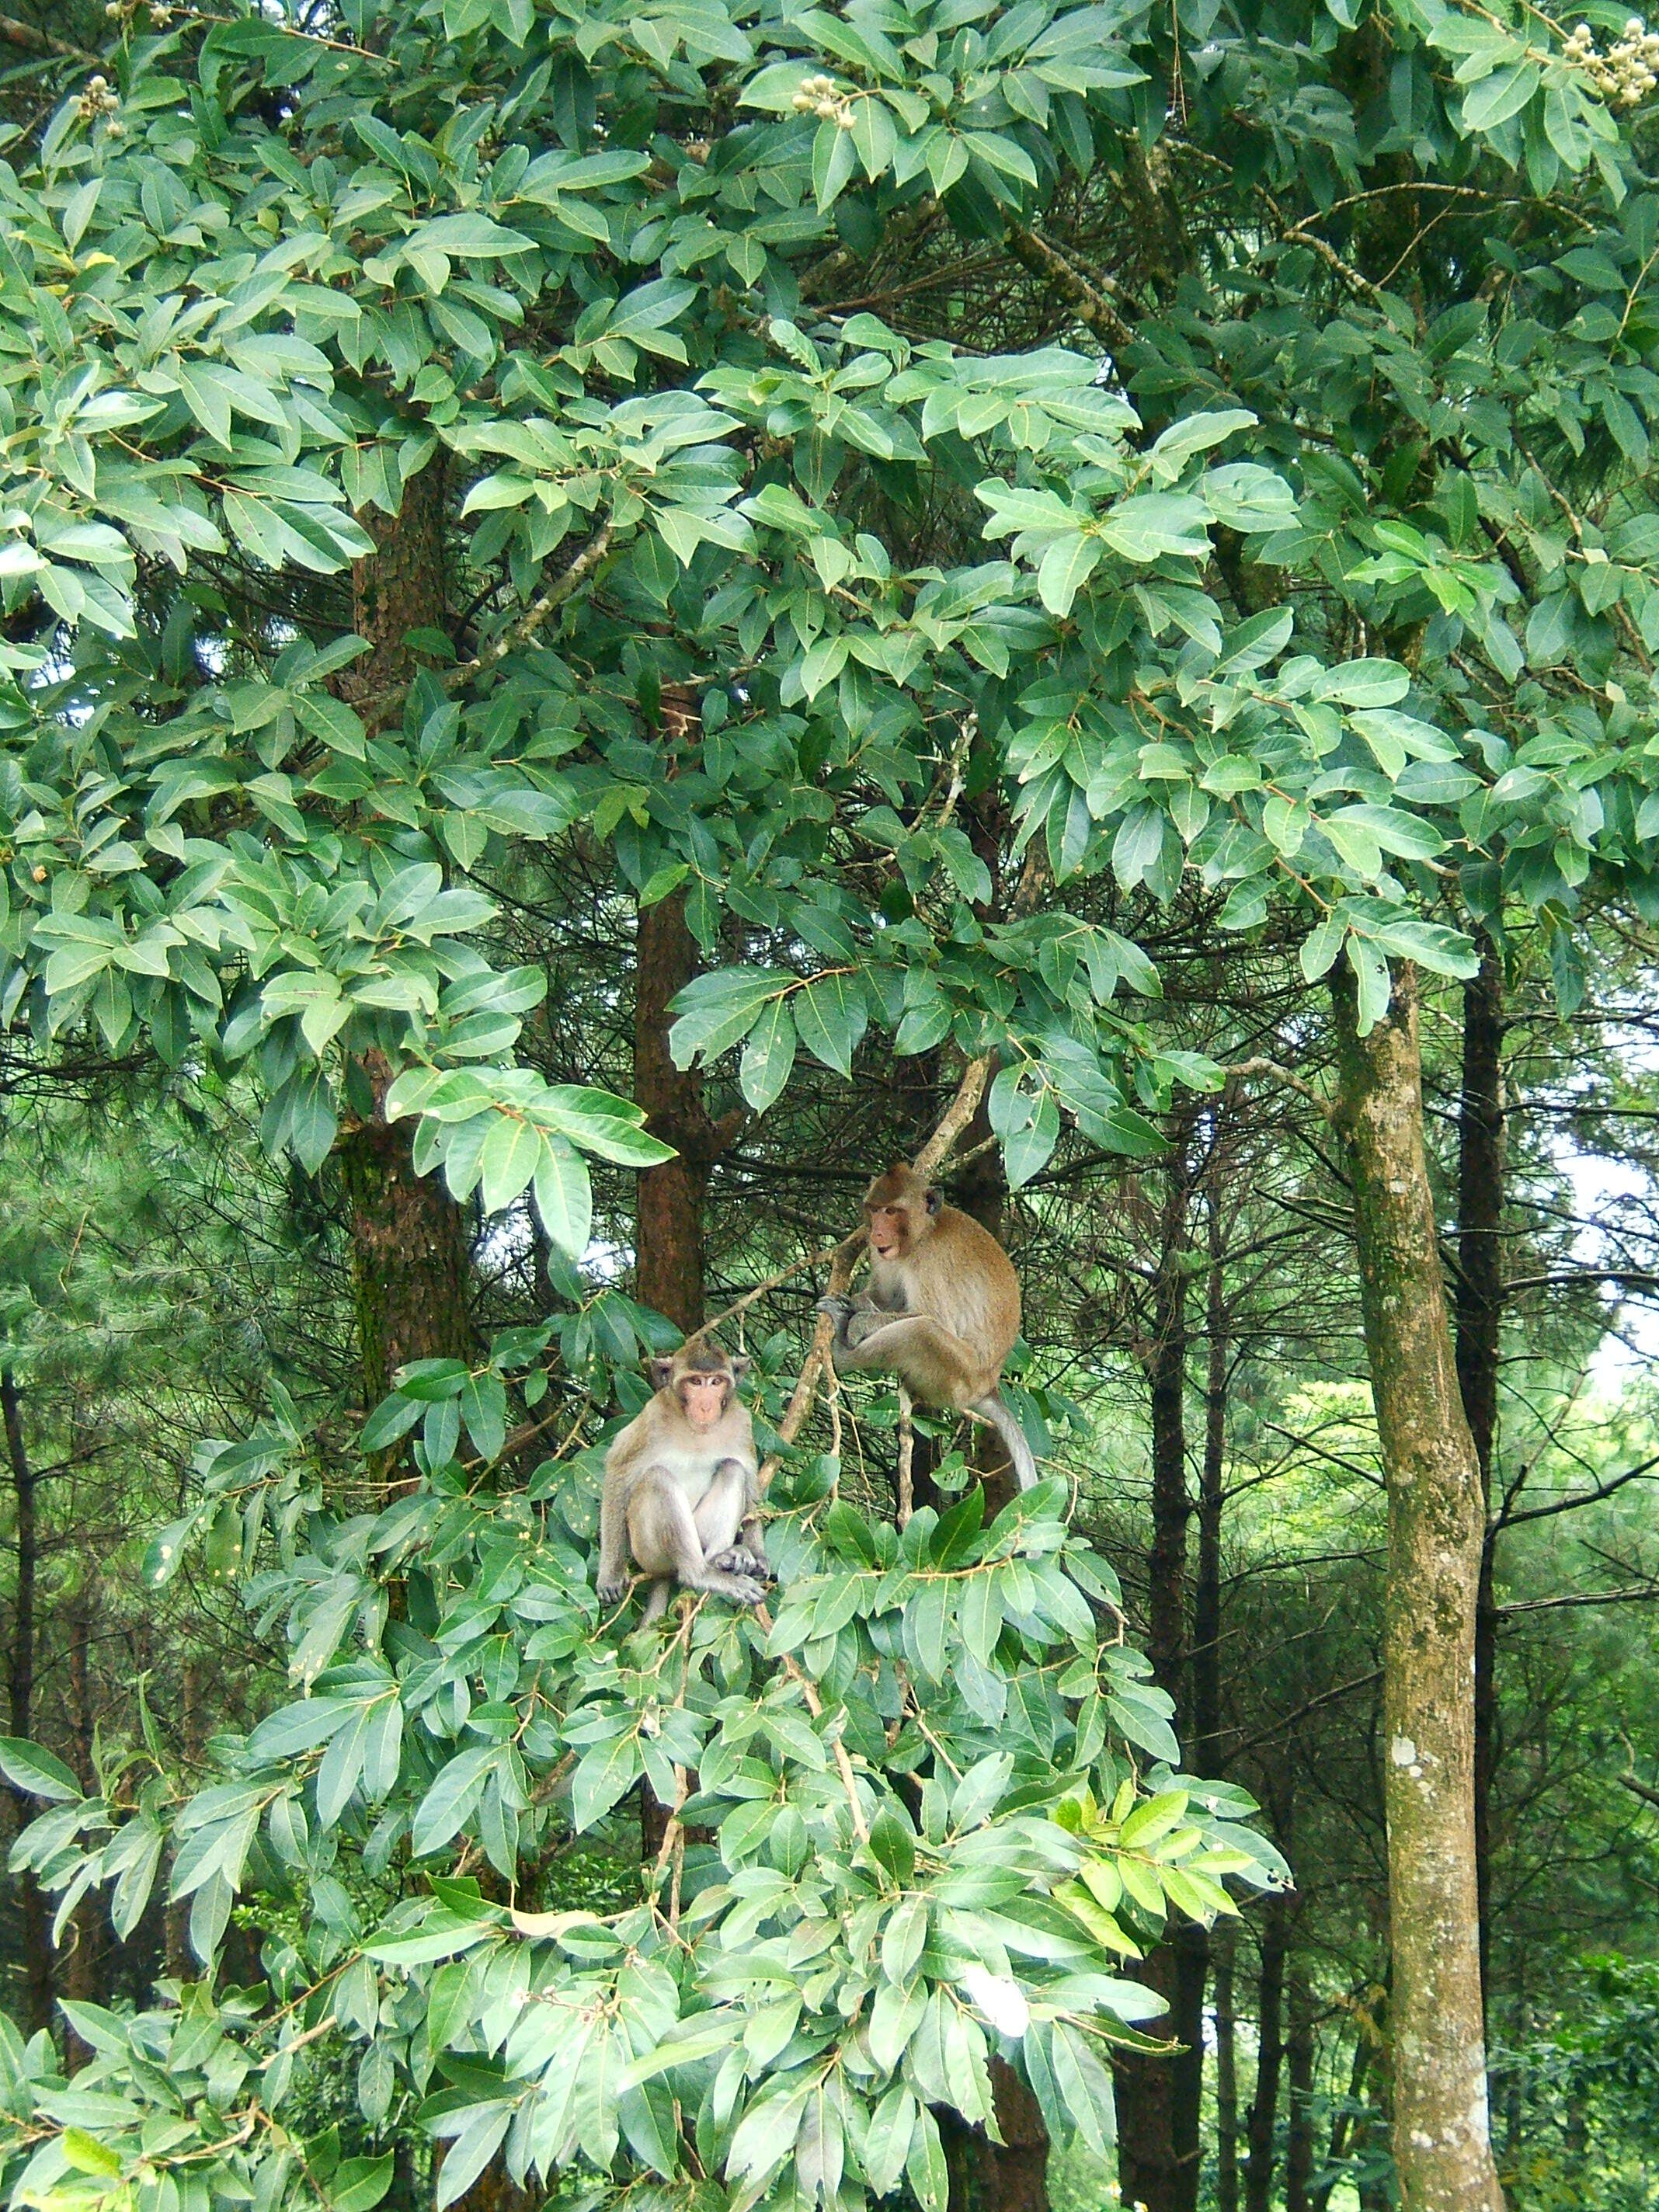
{"x": 743, "y": 1589}
{"x": 740, "y": 1561}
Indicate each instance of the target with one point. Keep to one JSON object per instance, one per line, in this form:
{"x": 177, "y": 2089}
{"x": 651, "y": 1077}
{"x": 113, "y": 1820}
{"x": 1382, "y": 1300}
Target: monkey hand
{"x": 613, "y": 1592}
{"x": 838, "y": 1309}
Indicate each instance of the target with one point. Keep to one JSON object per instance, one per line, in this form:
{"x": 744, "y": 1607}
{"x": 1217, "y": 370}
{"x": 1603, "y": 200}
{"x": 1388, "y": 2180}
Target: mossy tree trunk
{"x": 1437, "y": 1527}
{"x": 1480, "y": 1313}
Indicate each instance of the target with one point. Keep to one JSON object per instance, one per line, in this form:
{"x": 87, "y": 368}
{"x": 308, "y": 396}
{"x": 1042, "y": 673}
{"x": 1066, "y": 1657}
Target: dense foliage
{"x": 1038, "y": 531}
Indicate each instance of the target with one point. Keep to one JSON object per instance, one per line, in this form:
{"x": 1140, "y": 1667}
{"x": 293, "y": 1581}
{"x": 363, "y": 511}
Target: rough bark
{"x": 34, "y": 1929}
{"x": 1436, "y": 1525}
{"x": 1203, "y": 1751}
{"x": 1260, "y": 2126}
{"x": 1478, "y": 1312}
{"x": 668, "y": 1249}
{"x": 399, "y": 588}
{"x": 82, "y": 1970}
{"x": 1011, "y": 2176}
{"x": 672, "y": 1199}
{"x": 1299, "y": 2076}
{"x": 411, "y": 1260}
{"x": 1158, "y": 2099}
{"x": 1224, "y": 1951}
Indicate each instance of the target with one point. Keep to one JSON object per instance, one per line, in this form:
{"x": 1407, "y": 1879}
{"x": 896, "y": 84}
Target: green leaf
{"x": 601, "y": 1777}
{"x": 357, "y": 2184}
{"x": 831, "y": 1017}
{"x": 1067, "y": 566}
{"x": 27, "y": 1767}
{"x": 512, "y": 1154}
{"x": 448, "y": 1804}
{"x": 474, "y": 2146}
{"x": 564, "y": 1196}
{"x": 768, "y": 1055}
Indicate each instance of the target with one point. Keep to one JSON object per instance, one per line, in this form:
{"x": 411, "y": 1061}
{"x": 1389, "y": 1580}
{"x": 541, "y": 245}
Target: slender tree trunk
{"x": 672, "y": 1199}
{"x": 1261, "y": 2124}
{"x": 181, "y": 1963}
{"x": 83, "y": 1977}
{"x": 1298, "y": 2139}
{"x": 1480, "y": 1310}
{"x": 1204, "y": 1751}
{"x": 1343, "y": 2122}
{"x": 410, "y": 1254}
{"x": 668, "y": 1254}
{"x": 1158, "y": 2099}
{"x": 1437, "y": 1526}
{"x": 34, "y": 1929}
{"x": 1224, "y": 1951}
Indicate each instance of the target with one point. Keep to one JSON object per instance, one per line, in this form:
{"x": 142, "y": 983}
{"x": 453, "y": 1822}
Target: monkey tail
{"x": 996, "y": 1410}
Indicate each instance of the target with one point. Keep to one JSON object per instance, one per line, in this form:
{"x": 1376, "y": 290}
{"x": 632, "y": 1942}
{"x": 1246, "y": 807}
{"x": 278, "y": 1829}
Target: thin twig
{"x": 907, "y": 1449}
{"x": 1260, "y": 1066}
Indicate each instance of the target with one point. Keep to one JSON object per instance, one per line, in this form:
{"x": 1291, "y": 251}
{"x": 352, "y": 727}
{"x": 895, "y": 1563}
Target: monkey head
{"x": 900, "y": 1209}
{"x": 704, "y": 1378}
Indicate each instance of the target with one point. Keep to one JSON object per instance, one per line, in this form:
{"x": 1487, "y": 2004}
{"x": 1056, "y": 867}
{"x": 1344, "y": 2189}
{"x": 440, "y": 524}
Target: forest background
{"x": 612, "y": 616}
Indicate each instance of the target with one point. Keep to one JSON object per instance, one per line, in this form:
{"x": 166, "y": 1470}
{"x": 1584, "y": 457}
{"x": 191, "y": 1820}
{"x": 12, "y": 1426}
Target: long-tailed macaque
{"x": 942, "y": 1310}
{"x": 680, "y": 1486}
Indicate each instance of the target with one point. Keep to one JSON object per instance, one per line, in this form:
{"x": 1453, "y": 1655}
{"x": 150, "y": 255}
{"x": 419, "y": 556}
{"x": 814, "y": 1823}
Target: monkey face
{"x": 704, "y": 1397}
{"x": 900, "y": 1209}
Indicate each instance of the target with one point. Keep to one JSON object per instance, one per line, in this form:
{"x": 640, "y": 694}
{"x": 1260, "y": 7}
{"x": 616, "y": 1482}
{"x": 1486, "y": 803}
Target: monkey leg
{"x": 937, "y": 1364}
{"x": 611, "y": 1579}
{"x": 720, "y": 1517}
{"x": 665, "y": 1537}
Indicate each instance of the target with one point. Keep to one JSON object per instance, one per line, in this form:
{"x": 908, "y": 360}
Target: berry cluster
{"x": 1627, "y": 72}
{"x": 818, "y": 96}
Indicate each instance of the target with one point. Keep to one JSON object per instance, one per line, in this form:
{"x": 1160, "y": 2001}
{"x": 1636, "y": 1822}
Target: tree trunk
{"x": 1270, "y": 2052}
{"x": 668, "y": 1254}
{"x": 1343, "y": 2127}
{"x": 180, "y": 1958}
{"x": 1480, "y": 1310}
{"x": 1204, "y": 1750}
{"x": 410, "y": 1254}
{"x": 1298, "y": 2139}
{"x": 34, "y": 1921}
{"x": 83, "y": 1977}
{"x": 1158, "y": 2099}
{"x": 1011, "y": 2176}
{"x": 1224, "y": 1951}
{"x": 1437, "y": 1526}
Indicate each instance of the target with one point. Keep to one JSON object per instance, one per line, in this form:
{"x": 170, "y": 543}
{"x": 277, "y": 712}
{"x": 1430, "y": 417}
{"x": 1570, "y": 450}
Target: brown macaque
{"x": 942, "y": 1310}
{"x": 681, "y": 1487}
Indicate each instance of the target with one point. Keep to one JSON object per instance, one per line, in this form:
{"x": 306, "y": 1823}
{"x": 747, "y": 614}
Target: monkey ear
{"x": 741, "y": 1363}
{"x": 659, "y": 1371}
{"x": 934, "y": 1200}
